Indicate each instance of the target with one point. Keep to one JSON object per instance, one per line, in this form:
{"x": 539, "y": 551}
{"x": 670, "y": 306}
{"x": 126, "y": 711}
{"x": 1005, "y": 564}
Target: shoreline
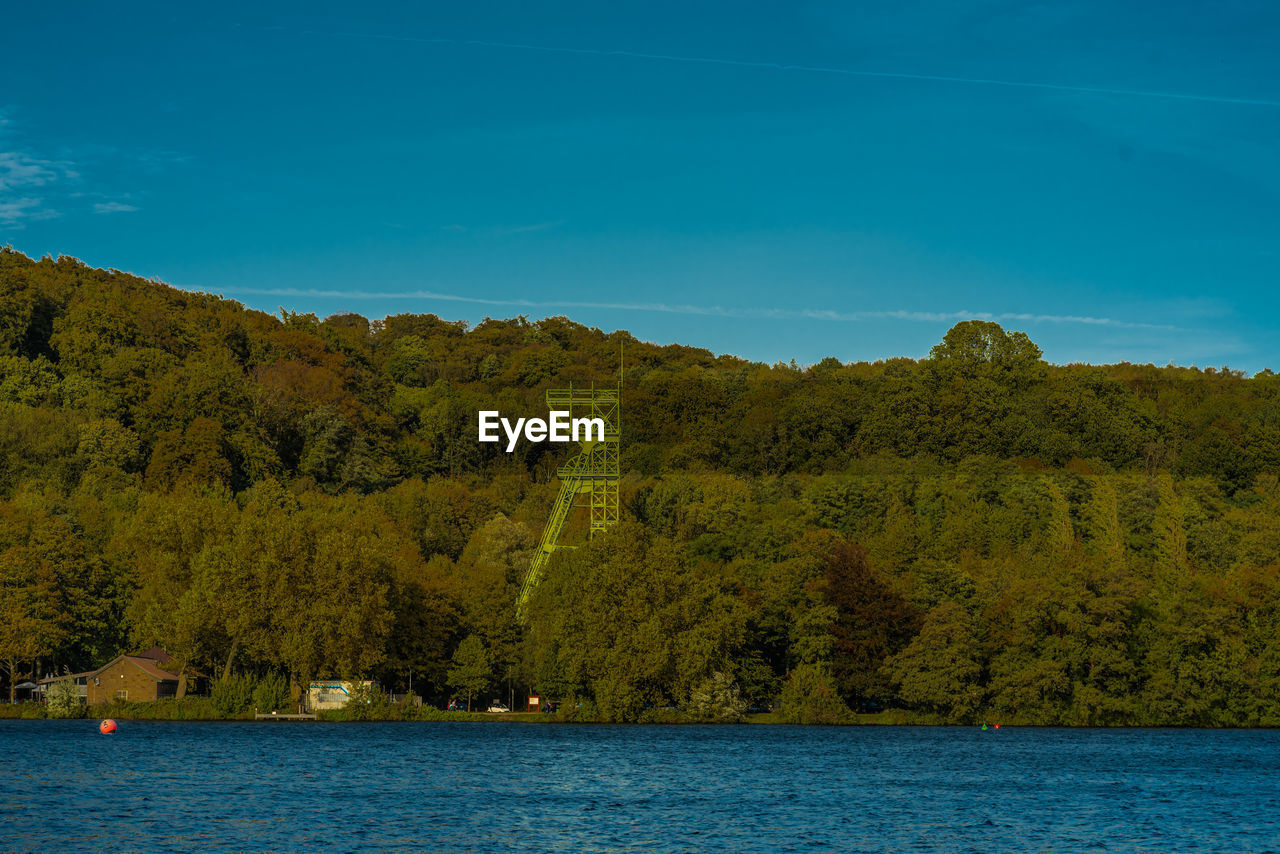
{"x": 882, "y": 719}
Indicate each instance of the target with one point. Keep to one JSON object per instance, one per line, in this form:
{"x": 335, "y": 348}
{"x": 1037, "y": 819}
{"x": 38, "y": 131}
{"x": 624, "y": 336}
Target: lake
{"x": 530, "y": 787}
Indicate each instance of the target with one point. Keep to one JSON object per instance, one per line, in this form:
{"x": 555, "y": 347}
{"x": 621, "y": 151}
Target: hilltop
{"x": 976, "y": 533}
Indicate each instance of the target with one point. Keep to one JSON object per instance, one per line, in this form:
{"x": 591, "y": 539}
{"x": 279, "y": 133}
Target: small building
{"x": 130, "y": 677}
{"x": 332, "y": 693}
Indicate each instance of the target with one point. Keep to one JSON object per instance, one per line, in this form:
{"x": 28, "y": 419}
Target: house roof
{"x": 50, "y": 679}
{"x": 149, "y": 667}
{"x": 167, "y": 662}
{"x": 157, "y": 653}
{"x": 146, "y": 665}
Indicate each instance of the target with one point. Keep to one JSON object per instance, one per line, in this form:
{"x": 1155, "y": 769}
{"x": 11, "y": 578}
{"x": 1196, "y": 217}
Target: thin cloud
{"x": 113, "y": 207}
{"x": 37, "y": 187}
{"x": 715, "y": 310}
{"x": 503, "y": 231}
{"x": 526, "y": 229}
{"x": 26, "y": 181}
{"x": 15, "y": 211}
{"x": 19, "y": 169}
{"x": 815, "y": 69}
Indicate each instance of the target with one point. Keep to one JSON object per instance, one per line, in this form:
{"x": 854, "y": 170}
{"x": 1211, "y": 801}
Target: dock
{"x": 274, "y": 717}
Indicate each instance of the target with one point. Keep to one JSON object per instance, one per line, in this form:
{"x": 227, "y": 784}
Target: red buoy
{"x": 107, "y": 727}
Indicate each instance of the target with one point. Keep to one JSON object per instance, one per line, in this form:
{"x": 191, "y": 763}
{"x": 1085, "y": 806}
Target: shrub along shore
{"x": 203, "y": 709}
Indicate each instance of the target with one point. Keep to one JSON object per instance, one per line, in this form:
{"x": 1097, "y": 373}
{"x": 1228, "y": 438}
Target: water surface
{"x": 528, "y": 787}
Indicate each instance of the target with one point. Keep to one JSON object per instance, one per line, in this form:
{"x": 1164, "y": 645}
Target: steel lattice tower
{"x": 588, "y": 480}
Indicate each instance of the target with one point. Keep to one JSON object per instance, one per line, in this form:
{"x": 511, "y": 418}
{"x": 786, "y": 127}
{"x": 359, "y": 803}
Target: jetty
{"x": 259, "y": 716}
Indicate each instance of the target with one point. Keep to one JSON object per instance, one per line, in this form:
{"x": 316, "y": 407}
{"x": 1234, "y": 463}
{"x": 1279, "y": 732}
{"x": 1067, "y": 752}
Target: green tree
{"x": 40, "y": 560}
{"x": 160, "y": 541}
{"x": 718, "y": 699}
{"x": 64, "y": 700}
{"x": 271, "y": 694}
{"x": 939, "y": 671}
{"x": 195, "y": 456}
{"x": 104, "y": 443}
{"x": 973, "y": 342}
{"x": 810, "y": 696}
{"x": 629, "y": 622}
{"x": 471, "y": 671}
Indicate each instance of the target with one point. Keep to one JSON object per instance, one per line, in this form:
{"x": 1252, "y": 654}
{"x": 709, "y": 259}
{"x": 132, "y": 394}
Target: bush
{"x": 368, "y": 703}
{"x": 394, "y": 712}
{"x": 233, "y": 695}
{"x": 186, "y": 709}
{"x": 718, "y": 700}
{"x": 572, "y": 709}
{"x": 664, "y": 715}
{"x": 272, "y": 694}
{"x": 810, "y": 697}
{"x": 64, "y": 700}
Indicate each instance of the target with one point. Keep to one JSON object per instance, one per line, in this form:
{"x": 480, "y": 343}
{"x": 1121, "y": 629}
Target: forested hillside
{"x": 975, "y": 535}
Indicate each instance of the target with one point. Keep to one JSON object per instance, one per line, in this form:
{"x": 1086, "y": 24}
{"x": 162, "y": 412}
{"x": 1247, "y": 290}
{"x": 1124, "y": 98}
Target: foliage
{"x": 367, "y": 703}
{"x": 233, "y": 695}
{"x": 717, "y": 700}
{"x": 396, "y": 712}
{"x": 629, "y": 621}
{"x": 186, "y": 709}
{"x": 872, "y": 622}
{"x": 939, "y": 670}
{"x": 271, "y": 694}
{"x": 471, "y": 672}
{"x": 64, "y": 701}
{"x": 978, "y": 534}
{"x": 810, "y": 696}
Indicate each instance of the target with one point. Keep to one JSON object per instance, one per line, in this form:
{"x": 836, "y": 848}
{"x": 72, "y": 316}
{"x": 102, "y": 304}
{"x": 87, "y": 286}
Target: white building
{"x": 332, "y": 693}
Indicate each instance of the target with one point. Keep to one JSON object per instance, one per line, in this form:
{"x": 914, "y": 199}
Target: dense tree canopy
{"x": 978, "y": 534}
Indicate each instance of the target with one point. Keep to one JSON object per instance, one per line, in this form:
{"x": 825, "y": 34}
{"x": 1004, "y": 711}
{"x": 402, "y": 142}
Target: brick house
{"x": 135, "y": 678}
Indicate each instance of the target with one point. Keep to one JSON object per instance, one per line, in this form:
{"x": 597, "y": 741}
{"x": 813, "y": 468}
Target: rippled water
{"x": 531, "y": 787}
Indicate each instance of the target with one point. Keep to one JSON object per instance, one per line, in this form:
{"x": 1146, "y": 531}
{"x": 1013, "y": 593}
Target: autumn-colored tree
{"x": 872, "y": 623}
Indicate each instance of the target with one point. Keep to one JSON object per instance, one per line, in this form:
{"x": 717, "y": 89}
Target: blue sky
{"x": 776, "y": 181}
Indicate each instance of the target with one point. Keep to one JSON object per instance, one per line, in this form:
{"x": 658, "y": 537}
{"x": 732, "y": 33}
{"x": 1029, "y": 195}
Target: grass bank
{"x": 204, "y": 709}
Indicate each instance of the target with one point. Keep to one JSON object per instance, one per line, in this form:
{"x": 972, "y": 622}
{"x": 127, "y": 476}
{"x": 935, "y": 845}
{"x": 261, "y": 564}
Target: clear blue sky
{"x": 776, "y": 181}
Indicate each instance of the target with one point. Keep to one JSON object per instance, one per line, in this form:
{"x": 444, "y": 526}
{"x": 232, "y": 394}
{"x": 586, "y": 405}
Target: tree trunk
{"x": 182, "y": 682}
{"x": 13, "y": 681}
{"x": 231, "y": 656}
{"x": 296, "y": 694}
{"x": 304, "y": 692}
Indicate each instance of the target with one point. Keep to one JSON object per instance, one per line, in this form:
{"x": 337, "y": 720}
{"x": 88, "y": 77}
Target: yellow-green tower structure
{"x": 588, "y": 480}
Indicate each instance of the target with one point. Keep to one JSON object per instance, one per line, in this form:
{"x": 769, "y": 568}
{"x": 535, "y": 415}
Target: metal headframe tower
{"x": 588, "y": 480}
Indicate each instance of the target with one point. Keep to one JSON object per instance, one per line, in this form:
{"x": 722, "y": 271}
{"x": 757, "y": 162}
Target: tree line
{"x": 978, "y": 534}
